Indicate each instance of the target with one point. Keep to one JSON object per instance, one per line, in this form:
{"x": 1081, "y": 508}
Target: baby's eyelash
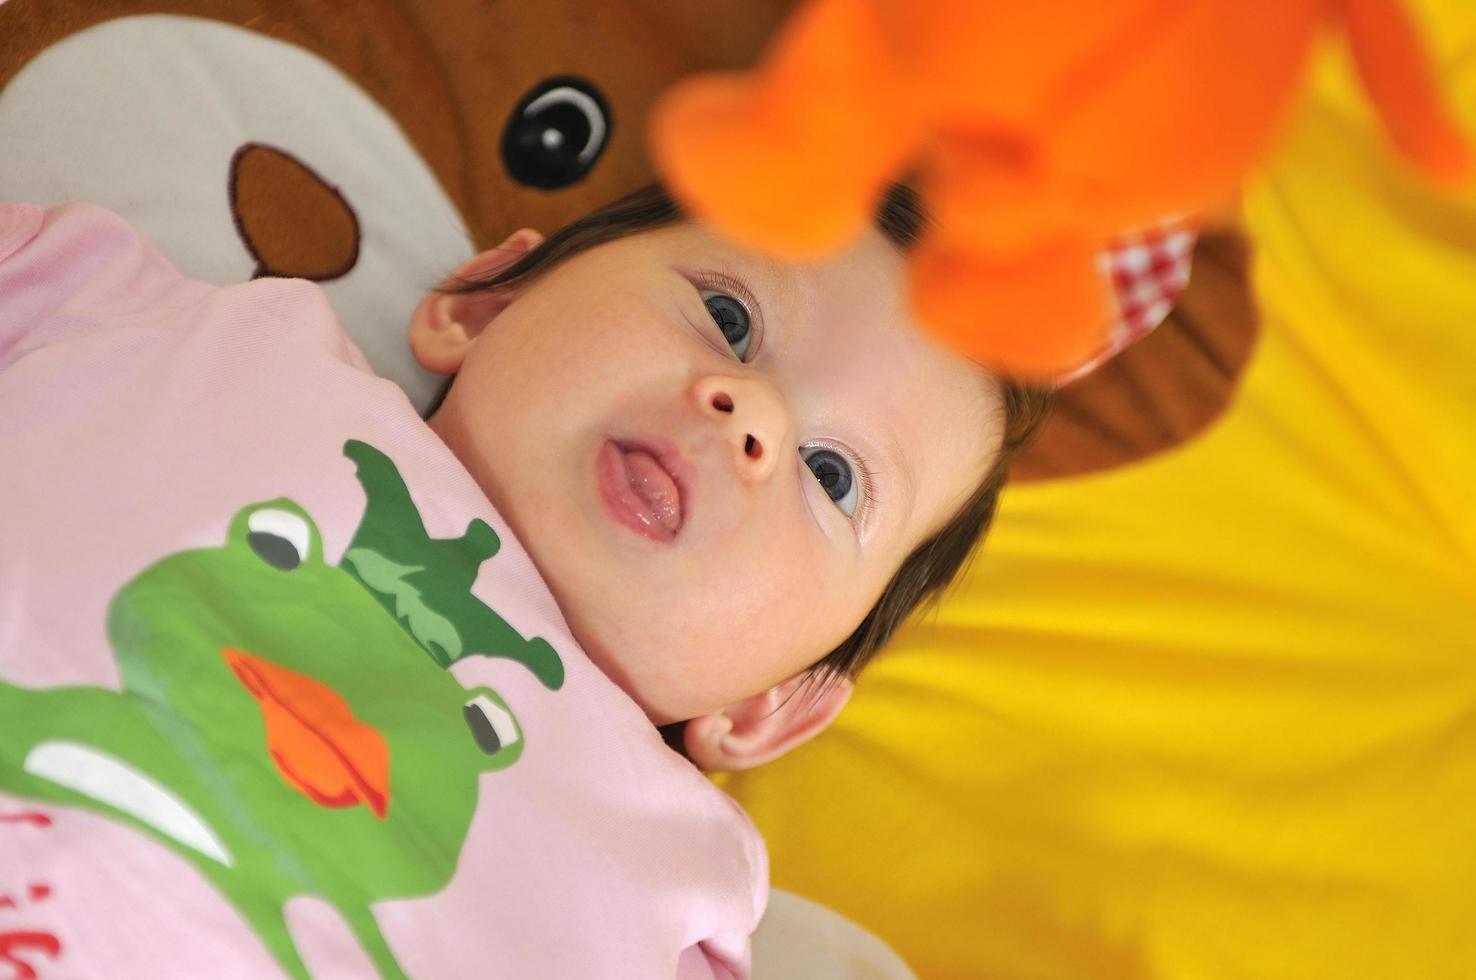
{"x": 739, "y": 289}
{"x": 871, "y": 490}
{"x": 870, "y": 487}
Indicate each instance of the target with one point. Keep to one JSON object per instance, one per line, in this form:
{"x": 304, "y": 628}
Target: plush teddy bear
{"x": 374, "y": 152}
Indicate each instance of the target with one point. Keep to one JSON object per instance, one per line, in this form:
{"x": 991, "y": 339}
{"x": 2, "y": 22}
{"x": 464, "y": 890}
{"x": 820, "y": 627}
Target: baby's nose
{"x": 752, "y": 417}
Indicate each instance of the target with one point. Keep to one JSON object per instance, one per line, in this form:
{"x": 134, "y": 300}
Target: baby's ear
{"x": 765, "y": 726}
{"x": 444, "y": 325}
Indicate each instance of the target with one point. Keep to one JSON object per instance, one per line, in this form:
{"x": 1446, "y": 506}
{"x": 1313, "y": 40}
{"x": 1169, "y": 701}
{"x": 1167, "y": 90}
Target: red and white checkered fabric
{"x": 1148, "y": 271}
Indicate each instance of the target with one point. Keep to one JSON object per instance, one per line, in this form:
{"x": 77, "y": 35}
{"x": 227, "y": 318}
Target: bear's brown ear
{"x": 1167, "y": 387}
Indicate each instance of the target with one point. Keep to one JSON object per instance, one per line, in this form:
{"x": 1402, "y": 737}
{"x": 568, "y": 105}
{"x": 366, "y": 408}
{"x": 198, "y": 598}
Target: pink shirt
{"x": 172, "y": 454}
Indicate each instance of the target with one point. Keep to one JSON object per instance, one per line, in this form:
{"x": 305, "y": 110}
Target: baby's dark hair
{"x": 933, "y": 564}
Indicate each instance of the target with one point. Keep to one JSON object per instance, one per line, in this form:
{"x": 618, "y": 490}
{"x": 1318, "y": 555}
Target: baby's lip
{"x": 645, "y": 484}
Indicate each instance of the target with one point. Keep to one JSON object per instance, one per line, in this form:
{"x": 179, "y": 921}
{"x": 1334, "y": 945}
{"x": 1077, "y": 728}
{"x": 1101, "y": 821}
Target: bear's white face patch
{"x": 143, "y": 115}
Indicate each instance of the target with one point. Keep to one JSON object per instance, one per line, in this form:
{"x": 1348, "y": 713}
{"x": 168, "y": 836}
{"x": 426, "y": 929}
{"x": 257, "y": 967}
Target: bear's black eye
{"x": 556, "y": 133}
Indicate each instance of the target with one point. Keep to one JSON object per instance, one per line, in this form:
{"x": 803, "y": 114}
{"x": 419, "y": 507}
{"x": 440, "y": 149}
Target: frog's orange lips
{"x": 317, "y": 744}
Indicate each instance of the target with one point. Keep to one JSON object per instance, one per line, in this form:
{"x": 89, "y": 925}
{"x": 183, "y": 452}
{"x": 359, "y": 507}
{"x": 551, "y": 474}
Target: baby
{"x": 294, "y": 681}
{"x": 759, "y": 462}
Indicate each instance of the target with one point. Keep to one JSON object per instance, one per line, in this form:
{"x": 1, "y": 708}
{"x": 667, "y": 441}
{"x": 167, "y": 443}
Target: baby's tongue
{"x": 655, "y": 488}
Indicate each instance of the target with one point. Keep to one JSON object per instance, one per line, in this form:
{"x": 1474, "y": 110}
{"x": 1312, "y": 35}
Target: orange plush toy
{"x": 1037, "y": 131}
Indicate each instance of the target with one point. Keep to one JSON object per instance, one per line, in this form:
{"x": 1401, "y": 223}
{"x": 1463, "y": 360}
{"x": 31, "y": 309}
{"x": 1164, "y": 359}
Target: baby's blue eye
{"x": 732, "y": 319}
{"x": 833, "y": 471}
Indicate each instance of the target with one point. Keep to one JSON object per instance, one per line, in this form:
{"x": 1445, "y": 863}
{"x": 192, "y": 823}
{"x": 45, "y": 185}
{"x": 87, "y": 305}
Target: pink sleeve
{"x": 72, "y": 259}
{"x": 19, "y": 223}
{"x": 696, "y": 964}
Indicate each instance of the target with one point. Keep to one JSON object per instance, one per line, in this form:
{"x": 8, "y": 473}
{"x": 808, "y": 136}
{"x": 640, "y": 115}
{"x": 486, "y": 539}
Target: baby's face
{"x": 716, "y": 508}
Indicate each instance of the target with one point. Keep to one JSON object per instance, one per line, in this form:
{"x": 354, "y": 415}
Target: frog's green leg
{"x": 366, "y": 930}
{"x": 263, "y": 913}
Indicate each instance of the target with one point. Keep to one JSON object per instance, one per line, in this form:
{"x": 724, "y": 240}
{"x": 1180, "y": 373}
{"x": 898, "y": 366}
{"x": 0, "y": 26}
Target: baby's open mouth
{"x": 638, "y": 486}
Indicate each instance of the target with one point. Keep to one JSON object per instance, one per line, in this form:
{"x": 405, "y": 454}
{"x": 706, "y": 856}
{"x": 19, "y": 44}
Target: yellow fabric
{"x": 1212, "y": 716}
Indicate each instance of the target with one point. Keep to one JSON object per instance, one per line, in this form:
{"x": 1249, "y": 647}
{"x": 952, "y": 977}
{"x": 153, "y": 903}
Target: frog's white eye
{"x": 279, "y": 537}
{"x": 491, "y": 724}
